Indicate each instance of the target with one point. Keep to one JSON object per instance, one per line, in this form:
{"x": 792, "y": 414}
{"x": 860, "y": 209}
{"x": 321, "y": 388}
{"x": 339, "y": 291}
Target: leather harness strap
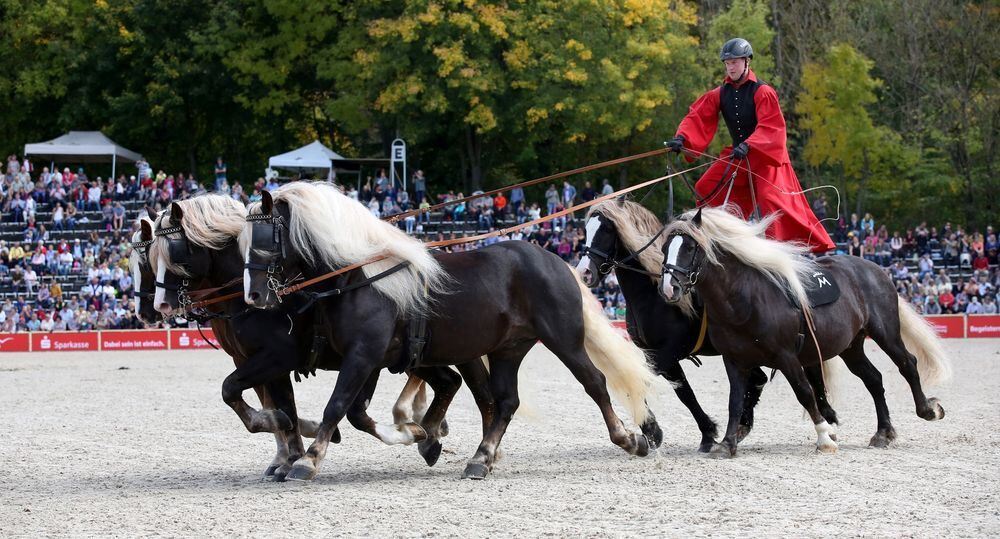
{"x": 701, "y": 333}
{"x": 501, "y": 232}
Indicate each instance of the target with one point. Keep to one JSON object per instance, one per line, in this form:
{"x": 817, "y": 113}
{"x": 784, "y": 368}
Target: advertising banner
{"x": 15, "y": 342}
{"x": 154, "y": 339}
{"x": 948, "y": 326}
{"x": 982, "y": 326}
{"x": 69, "y": 341}
{"x": 191, "y": 339}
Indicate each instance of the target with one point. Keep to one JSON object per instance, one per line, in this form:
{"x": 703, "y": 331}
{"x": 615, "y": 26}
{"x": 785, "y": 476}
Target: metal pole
{"x": 114, "y": 161}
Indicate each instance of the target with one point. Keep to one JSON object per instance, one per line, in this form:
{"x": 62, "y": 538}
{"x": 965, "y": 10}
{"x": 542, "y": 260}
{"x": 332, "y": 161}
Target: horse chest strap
{"x": 701, "y": 333}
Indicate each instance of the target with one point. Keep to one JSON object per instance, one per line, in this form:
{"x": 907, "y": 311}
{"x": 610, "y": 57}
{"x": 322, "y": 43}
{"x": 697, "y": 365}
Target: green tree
{"x": 747, "y": 19}
{"x": 495, "y": 83}
{"x": 833, "y": 110}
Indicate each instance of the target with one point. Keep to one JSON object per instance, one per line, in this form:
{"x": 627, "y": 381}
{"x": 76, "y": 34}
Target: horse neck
{"x": 637, "y": 288}
{"x": 716, "y": 283}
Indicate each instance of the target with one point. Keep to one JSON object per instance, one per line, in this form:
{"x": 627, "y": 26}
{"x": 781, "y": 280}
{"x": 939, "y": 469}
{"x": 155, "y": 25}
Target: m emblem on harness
{"x": 821, "y": 279}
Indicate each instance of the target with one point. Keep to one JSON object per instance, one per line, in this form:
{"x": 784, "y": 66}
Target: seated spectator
{"x": 974, "y": 306}
{"x": 926, "y": 266}
{"x": 118, "y": 217}
{"x": 932, "y": 306}
{"x": 989, "y": 305}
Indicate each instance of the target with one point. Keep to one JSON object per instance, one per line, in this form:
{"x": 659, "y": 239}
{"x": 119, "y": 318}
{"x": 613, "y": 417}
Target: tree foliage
{"x": 486, "y": 91}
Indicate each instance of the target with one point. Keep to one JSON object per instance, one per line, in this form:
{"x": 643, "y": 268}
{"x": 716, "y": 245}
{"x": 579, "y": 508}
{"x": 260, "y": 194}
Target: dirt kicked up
{"x": 137, "y": 444}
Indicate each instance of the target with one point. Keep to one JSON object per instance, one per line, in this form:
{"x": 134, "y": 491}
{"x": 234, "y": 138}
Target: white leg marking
{"x": 393, "y": 434}
{"x": 824, "y": 443}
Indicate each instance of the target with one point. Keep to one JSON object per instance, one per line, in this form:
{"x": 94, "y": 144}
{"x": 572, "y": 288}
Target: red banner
{"x": 69, "y": 341}
{"x": 154, "y": 339}
{"x": 983, "y": 326}
{"x": 948, "y": 326}
{"x": 190, "y": 339}
{"x": 15, "y": 342}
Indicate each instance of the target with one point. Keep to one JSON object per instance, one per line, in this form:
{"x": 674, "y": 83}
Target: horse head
{"x": 683, "y": 259}
{"x": 600, "y": 250}
{"x": 143, "y": 278}
{"x": 189, "y": 240}
{"x": 265, "y": 241}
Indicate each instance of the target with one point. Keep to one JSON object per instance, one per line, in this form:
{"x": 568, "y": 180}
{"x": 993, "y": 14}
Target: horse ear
{"x": 176, "y": 213}
{"x": 697, "y": 218}
{"x": 620, "y": 200}
{"x": 151, "y": 212}
{"x": 266, "y": 202}
{"x": 145, "y": 230}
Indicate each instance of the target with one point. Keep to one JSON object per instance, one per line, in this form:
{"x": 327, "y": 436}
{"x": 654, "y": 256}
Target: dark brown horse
{"x": 755, "y": 293}
{"x": 496, "y": 302}
{"x": 196, "y": 248}
{"x": 624, "y": 237}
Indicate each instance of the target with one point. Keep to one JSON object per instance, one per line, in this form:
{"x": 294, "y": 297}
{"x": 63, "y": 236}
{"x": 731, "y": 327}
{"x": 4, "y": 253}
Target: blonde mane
{"x": 636, "y": 226}
{"x": 329, "y": 229}
{"x": 210, "y": 221}
{"x": 721, "y": 232}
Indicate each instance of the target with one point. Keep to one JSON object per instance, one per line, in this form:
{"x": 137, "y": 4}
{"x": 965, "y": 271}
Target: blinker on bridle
{"x": 275, "y": 249}
{"x": 173, "y": 246}
{"x": 142, "y": 247}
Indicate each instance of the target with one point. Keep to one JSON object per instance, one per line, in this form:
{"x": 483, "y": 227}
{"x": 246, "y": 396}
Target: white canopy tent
{"x": 312, "y": 156}
{"x": 82, "y": 147}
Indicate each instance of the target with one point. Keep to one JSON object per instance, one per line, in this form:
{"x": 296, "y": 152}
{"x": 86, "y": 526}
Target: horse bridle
{"x": 269, "y": 241}
{"x": 175, "y": 245}
{"x": 690, "y": 274}
{"x": 610, "y": 264}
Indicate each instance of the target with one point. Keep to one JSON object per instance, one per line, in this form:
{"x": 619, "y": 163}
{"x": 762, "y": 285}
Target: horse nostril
{"x": 254, "y": 296}
{"x": 165, "y": 307}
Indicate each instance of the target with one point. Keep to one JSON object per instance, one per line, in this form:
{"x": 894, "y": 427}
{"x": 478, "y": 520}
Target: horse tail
{"x": 922, "y": 341}
{"x": 624, "y": 364}
{"x": 832, "y": 370}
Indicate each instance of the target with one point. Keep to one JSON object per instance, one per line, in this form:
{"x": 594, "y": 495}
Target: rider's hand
{"x": 741, "y": 150}
{"x": 675, "y": 144}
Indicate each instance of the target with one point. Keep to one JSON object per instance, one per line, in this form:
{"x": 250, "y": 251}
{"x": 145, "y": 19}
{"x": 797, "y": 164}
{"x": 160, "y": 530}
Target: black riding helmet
{"x": 736, "y": 48}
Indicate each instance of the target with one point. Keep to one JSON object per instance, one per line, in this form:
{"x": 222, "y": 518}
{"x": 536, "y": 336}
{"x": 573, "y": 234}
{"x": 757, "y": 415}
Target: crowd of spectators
{"x": 946, "y": 270}
{"x": 940, "y": 271}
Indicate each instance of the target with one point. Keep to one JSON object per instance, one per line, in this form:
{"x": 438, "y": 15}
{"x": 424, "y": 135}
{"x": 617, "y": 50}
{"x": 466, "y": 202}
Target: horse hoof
{"x": 443, "y": 428}
{"x": 281, "y": 474}
{"x": 654, "y": 434}
{"x": 827, "y": 448}
{"x": 475, "y": 470}
{"x": 721, "y": 451}
{"x": 335, "y": 437}
{"x": 833, "y": 436}
{"x": 880, "y": 441}
{"x": 935, "y": 405}
{"x": 706, "y": 446}
{"x": 430, "y": 450}
{"x": 269, "y": 472}
{"x": 742, "y": 432}
{"x": 301, "y": 472}
{"x": 641, "y": 445}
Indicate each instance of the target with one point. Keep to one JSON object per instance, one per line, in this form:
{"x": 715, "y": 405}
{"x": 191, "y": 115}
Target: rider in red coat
{"x": 750, "y": 109}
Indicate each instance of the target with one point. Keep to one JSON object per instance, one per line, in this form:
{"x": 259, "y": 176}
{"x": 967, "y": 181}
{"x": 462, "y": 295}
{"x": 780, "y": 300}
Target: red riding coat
{"x": 775, "y": 185}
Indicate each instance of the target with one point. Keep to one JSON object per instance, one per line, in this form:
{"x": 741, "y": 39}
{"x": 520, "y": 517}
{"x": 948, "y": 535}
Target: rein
{"x": 446, "y": 243}
{"x": 399, "y": 216}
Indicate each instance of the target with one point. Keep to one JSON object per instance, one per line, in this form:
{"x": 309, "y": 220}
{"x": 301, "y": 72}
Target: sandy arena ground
{"x": 128, "y": 444}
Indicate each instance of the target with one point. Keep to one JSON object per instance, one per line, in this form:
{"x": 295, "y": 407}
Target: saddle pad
{"x": 821, "y": 288}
